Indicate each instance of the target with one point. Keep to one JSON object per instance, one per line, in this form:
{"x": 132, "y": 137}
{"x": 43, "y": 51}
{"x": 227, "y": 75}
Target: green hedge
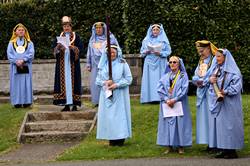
{"x": 224, "y": 22}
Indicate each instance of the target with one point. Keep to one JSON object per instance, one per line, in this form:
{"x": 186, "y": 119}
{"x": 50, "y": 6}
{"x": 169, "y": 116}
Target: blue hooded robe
{"x": 226, "y": 120}
{"x": 93, "y": 58}
{"x": 154, "y": 66}
{"x": 114, "y": 116}
{"x": 174, "y": 131}
{"x": 202, "y": 105}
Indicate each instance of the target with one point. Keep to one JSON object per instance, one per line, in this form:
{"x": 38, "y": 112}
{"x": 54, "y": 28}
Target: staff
{"x": 109, "y": 48}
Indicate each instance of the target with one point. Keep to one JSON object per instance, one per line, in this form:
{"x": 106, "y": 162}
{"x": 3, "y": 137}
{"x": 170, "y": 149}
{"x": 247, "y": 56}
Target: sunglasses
{"x": 170, "y": 62}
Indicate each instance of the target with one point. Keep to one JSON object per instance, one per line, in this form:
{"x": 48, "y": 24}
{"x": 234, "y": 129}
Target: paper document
{"x": 108, "y": 92}
{"x": 155, "y": 48}
{"x": 63, "y": 40}
{"x": 175, "y": 111}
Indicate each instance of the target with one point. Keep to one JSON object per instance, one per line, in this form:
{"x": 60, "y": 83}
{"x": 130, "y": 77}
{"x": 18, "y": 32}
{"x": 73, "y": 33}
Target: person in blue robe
{"x": 174, "y": 131}
{"x": 225, "y": 105}
{"x": 114, "y": 116}
{"x": 155, "y": 49}
{"x": 20, "y": 53}
{"x": 96, "y": 46}
{"x": 206, "y": 51}
{"x": 67, "y": 85}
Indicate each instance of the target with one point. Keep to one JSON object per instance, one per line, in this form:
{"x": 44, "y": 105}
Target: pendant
{"x": 20, "y": 49}
{"x": 97, "y": 45}
{"x": 202, "y": 70}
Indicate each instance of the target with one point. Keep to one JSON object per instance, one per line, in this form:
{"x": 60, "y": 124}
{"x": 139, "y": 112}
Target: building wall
{"x": 44, "y": 70}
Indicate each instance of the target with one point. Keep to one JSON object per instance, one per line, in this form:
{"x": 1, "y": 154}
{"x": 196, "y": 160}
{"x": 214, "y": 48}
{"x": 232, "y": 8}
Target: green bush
{"x": 224, "y": 22}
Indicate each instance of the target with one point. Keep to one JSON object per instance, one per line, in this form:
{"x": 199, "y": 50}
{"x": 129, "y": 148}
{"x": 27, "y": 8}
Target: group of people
{"x": 219, "y": 119}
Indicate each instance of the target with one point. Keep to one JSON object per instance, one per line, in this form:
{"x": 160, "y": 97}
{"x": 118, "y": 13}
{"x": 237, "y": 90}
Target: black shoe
{"x": 74, "y": 108}
{"x": 111, "y": 143}
{"x": 117, "y": 142}
{"x": 220, "y": 155}
{"x": 230, "y": 154}
{"x": 65, "y": 109}
{"x": 213, "y": 150}
{"x": 18, "y": 106}
{"x": 26, "y": 105}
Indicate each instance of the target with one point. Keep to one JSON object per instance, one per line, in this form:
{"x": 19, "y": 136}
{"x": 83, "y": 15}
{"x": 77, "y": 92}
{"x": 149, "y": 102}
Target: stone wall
{"x": 43, "y": 75}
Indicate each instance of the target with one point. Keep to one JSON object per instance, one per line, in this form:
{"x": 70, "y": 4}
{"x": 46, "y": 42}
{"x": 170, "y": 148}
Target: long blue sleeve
{"x": 127, "y": 77}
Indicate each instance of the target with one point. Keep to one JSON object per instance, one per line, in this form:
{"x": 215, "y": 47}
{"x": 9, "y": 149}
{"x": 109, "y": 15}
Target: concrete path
{"x": 38, "y": 152}
{"x": 35, "y": 153}
{"x": 149, "y": 162}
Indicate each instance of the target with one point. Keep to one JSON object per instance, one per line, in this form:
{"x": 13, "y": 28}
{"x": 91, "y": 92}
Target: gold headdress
{"x": 14, "y": 36}
{"x": 206, "y": 43}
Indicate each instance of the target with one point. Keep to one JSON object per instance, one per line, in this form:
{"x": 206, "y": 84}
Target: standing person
{"x": 155, "y": 48}
{"x": 114, "y": 116}
{"x": 174, "y": 131}
{"x": 67, "y": 87}
{"x": 20, "y": 53}
{"x": 226, "y": 114}
{"x": 97, "y": 44}
{"x": 206, "y": 50}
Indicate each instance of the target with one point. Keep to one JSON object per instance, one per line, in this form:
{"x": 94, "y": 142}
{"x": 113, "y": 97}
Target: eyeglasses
{"x": 170, "y": 62}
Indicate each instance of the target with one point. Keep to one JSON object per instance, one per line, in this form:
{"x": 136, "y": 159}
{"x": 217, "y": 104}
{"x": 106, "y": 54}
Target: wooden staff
{"x": 109, "y": 48}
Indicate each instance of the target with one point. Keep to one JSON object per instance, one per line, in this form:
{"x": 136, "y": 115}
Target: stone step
{"x": 48, "y": 115}
{"x": 48, "y": 99}
{"x": 52, "y": 136}
{"x": 58, "y": 125}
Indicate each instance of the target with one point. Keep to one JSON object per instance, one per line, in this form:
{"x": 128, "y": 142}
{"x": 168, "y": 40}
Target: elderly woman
{"x": 225, "y": 105}
{"x": 174, "y": 130}
{"x": 67, "y": 87}
{"x": 206, "y": 51}
{"x": 155, "y": 48}
{"x": 20, "y": 53}
{"x": 114, "y": 117}
{"x": 97, "y": 45}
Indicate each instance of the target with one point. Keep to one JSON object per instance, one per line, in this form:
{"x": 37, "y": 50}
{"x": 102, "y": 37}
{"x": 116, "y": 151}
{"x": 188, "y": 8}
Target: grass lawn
{"x": 10, "y": 122}
{"x": 143, "y": 141}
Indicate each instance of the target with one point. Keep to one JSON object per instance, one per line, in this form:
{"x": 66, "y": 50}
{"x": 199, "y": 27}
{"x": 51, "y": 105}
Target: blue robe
{"x": 174, "y": 131}
{"x": 20, "y": 84}
{"x": 114, "y": 116}
{"x": 202, "y": 113}
{"x": 93, "y": 58}
{"x": 226, "y": 117}
{"x": 154, "y": 66}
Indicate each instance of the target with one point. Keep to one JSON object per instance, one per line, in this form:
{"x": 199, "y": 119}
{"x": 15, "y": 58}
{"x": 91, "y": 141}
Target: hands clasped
{"x": 110, "y": 85}
{"x": 170, "y": 102}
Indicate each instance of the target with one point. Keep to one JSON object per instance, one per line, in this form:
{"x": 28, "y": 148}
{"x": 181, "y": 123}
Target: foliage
{"x": 224, "y": 22}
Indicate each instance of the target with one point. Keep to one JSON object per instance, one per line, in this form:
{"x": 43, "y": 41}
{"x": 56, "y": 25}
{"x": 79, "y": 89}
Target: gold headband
{"x": 156, "y": 25}
{"x": 99, "y": 24}
{"x": 175, "y": 58}
{"x": 112, "y": 46}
